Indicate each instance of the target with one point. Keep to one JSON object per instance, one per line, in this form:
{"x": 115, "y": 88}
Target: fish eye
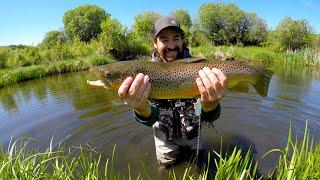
{"x": 107, "y": 74}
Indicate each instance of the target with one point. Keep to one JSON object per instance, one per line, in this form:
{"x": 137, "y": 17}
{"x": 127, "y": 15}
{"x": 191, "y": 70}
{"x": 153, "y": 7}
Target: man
{"x": 175, "y": 122}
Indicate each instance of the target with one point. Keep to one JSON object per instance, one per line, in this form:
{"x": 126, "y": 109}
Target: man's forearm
{"x": 146, "y": 113}
{"x": 210, "y": 107}
{"x": 147, "y": 119}
{"x": 211, "y": 115}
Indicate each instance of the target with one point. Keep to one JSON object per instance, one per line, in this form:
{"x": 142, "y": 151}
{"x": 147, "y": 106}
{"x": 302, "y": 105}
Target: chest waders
{"x": 180, "y": 105}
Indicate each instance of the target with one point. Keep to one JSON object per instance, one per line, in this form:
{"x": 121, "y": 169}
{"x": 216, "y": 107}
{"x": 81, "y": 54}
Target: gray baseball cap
{"x": 165, "y": 22}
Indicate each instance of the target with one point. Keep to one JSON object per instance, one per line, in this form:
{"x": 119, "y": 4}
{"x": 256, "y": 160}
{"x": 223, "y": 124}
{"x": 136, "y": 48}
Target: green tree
{"x": 119, "y": 42}
{"x": 143, "y": 24}
{"x": 235, "y": 26}
{"x": 84, "y": 22}
{"x": 294, "y": 34}
{"x": 223, "y": 23}
{"x": 183, "y": 17}
{"x": 53, "y": 38}
{"x": 198, "y": 37}
{"x": 185, "y": 22}
{"x": 211, "y": 22}
{"x": 256, "y": 32}
{"x": 113, "y": 36}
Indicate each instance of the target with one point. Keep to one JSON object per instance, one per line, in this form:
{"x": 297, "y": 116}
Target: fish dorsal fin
{"x": 190, "y": 60}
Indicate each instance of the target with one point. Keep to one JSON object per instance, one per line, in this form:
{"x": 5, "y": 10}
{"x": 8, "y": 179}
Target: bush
{"x": 294, "y": 34}
{"x": 99, "y": 60}
{"x": 4, "y": 54}
{"x": 120, "y": 43}
{"x": 264, "y": 57}
{"x": 53, "y": 38}
{"x": 32, "y": 56}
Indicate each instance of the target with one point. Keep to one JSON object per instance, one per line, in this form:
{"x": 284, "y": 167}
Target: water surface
{"x": 66, "y": 109}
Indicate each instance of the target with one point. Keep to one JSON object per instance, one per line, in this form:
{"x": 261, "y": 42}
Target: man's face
{"x": 168, "y": 44}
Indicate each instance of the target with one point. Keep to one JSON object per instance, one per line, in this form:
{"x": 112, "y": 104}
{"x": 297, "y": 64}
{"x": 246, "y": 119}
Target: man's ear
{"x": 154, "y": 41}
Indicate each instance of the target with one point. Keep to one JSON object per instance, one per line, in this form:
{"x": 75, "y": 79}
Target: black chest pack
{"x": 178, "y": 119}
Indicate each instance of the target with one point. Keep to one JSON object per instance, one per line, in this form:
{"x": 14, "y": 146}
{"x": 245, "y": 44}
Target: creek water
{"x": 64, "y": 108}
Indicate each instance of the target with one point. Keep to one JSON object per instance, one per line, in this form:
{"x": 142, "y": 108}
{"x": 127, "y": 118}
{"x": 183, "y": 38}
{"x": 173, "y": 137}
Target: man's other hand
{"x": 212, "y": 86}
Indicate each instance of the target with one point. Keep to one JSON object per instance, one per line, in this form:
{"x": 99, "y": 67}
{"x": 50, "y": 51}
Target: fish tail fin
{"x": 262, "y": 83}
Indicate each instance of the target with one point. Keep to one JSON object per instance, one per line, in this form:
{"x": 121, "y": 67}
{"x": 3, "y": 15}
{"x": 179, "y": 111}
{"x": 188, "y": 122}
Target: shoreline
{"x": 20, "y": 74}
{"x": 260, "y": 54}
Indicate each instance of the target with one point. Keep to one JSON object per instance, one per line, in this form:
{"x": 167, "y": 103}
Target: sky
{"x": 26, "y": 22}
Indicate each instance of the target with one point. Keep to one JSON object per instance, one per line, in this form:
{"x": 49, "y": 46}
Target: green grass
{"x": 19, "y": 162}
{"x": 263, "y": 54}
{"x": 236, "y": 166}
{"x": 11, "y": 76}
{"x": 297, "y": 160}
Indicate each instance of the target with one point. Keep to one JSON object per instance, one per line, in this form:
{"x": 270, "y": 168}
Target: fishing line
{"x": 198, "y": 143}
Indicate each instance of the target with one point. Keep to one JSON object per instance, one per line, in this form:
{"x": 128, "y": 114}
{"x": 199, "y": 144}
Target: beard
{"x": 172, "y": 54}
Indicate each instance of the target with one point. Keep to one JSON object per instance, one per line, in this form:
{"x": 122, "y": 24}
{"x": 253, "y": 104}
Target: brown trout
{"x": 177, "y": 79}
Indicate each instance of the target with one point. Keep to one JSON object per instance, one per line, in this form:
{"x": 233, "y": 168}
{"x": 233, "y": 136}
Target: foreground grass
{"x": 19, "y": 163}
{"x": 11, "y": 76}
{"x": 298, "y": 160}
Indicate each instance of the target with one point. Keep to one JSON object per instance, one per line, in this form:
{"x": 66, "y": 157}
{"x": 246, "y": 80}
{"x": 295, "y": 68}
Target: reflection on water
{"x": 65, "y": 108}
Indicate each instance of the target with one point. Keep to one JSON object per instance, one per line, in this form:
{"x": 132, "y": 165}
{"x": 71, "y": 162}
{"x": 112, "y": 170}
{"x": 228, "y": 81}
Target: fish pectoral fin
{"x": 190, "y": 60}
{"x": 97, "y": 83}
{"x": 241, "y": 87}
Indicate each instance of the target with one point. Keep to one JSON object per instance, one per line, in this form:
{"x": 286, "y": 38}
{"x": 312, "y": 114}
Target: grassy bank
{"x": 14, "y": 75}
{"x": 310, "y": 57}
{"x": 298, "y": 160}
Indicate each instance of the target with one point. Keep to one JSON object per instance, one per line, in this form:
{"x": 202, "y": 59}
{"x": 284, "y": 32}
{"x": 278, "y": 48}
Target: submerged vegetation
{"x": 297, "y": 160}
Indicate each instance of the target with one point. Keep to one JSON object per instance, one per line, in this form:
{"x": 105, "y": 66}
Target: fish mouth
{"x": 102, "y": 75}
